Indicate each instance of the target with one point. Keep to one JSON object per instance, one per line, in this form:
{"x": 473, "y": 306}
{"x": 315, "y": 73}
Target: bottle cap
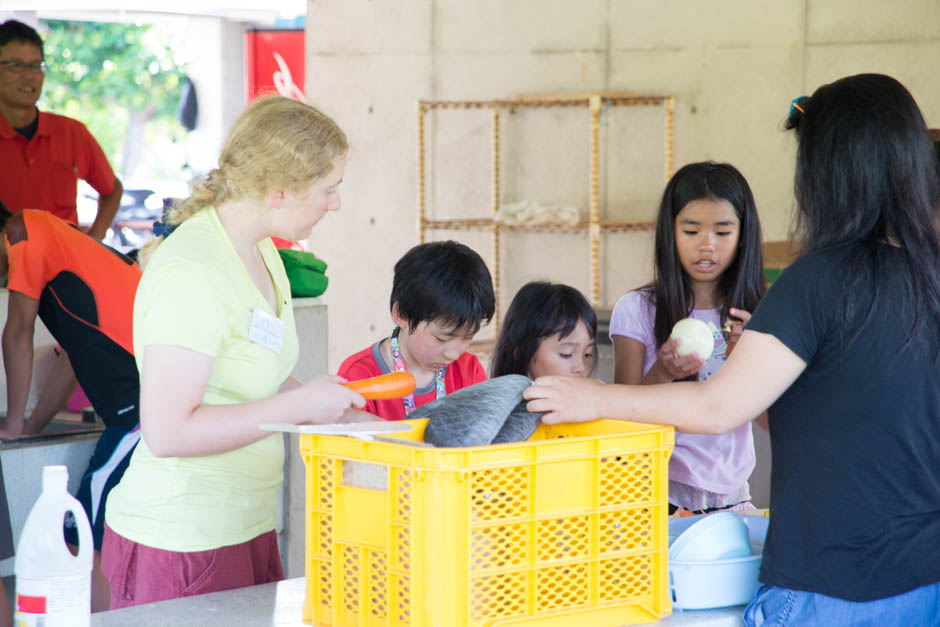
{"x": 55, "y": 477}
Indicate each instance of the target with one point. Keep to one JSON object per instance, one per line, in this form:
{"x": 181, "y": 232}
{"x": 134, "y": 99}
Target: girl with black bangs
{"x": 549, "y": 328}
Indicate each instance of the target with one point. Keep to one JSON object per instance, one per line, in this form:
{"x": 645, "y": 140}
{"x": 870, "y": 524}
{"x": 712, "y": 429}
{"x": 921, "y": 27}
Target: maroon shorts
{"x": 139, "y": 574}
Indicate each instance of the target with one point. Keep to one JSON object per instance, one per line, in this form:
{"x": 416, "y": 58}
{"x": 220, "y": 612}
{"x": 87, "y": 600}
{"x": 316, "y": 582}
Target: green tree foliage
{"x": 114, "y": 77}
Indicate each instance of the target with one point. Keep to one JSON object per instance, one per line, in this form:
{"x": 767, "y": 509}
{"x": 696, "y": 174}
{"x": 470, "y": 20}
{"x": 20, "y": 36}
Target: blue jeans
{"x": 781, "y": 607}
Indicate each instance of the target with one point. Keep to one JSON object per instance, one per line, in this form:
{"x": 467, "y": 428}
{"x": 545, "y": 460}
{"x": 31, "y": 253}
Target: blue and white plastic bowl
{"x": 712, "y": 537}
{"x": 717, "y": 581}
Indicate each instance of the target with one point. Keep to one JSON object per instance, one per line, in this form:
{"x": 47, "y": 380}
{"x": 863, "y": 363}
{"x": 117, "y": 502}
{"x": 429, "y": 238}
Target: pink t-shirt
{"x": 716, "y": 463}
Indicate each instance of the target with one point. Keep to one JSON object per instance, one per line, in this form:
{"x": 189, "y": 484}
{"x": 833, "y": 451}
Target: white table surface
{"x": 281, "y": 604}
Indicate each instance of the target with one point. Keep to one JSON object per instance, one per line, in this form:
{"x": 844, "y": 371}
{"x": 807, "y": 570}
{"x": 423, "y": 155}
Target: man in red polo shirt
{"x": 42, "y": 155}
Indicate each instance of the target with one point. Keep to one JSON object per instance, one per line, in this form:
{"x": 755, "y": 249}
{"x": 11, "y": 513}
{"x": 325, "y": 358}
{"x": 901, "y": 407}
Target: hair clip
{"x": 795, "y": 104}
{"x": 161, "y": 229}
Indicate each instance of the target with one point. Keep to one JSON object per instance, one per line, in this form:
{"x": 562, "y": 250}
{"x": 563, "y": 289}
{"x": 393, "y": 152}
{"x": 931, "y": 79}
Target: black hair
{"x": 446, "y": 282}
{"x": 742, "y": 284}
{"x": 5, "y": 214}
{"x": 936, "y": 149}
{"x": 12, "y": 30}
{"x": 866, "y": 175}
{"x": 538, "y": 311}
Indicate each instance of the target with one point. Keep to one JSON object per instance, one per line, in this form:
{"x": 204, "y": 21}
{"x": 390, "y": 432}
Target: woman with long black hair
{"x": 844, "y": 350}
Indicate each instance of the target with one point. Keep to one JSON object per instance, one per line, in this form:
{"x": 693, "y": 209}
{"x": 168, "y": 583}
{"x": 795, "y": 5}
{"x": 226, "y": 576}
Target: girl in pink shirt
{"x": 708, "y": 265}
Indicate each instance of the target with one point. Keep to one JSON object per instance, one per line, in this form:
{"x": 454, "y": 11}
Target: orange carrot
{"x": 386, "y": 386}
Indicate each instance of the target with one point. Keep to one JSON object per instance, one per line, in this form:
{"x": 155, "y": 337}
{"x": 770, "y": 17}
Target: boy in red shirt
{"x": 442, "y": 293}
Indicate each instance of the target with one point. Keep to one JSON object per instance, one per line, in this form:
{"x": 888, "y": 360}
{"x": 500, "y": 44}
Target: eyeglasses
{"x": 18, "y": 67}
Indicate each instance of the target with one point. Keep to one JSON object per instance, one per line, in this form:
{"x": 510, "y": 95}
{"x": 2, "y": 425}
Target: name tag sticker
{"x": 266, "y": 330}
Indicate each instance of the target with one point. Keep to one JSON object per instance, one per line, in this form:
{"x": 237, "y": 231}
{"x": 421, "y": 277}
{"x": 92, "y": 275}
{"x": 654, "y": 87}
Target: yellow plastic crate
{"x": 568, "y": 528}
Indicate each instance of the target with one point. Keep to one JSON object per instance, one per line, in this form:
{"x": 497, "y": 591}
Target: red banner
{"x": 274, "y": 61}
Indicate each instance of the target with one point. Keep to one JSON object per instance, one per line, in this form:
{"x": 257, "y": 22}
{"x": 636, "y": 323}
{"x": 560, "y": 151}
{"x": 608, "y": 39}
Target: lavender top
{"x": 716, "y": 463}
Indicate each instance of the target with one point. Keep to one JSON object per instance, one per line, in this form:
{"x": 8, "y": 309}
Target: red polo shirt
{"x": 43, "y": 173}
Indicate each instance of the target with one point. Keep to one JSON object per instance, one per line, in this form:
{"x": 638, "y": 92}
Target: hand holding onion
{"x": 677, "y": 367}
{"x": 695, "y": 337}
{"x": 686, "y": 350}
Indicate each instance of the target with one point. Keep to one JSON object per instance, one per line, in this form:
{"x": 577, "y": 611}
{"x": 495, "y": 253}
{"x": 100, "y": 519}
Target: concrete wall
{"x": 214, "y": 54}
{"x": 733, "y": 65}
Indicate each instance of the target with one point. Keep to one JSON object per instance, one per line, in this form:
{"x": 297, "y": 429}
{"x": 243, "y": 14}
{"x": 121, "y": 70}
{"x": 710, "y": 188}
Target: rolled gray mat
{"x": 490, "y": 412}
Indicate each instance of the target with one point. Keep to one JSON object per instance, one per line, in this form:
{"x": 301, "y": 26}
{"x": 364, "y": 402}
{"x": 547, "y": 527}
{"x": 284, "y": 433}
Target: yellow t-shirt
{"x": 196, "y": 293}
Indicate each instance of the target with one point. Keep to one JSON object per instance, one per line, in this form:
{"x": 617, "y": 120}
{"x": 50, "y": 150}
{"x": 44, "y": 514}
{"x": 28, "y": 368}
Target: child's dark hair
{"x": 446, "y": 282}
{"x": 539, "y": 310}
{"x": 742, "y": 284}
{"x": 13, "y": 30}
{"x": 866, "y": 175}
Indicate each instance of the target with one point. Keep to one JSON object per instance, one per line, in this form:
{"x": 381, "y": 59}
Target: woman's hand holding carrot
{"x": 326, "y": 399}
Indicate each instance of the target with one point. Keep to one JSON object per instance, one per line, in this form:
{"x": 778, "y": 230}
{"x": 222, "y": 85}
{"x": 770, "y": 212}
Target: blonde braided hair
{"x": 276, "y": 143}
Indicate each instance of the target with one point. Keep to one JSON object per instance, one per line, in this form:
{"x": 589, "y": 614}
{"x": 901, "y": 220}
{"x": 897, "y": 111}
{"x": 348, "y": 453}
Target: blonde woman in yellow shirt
{"x": 215, "y": 342}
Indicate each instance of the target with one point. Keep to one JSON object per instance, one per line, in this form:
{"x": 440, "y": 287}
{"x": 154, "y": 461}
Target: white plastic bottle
{"x": 53, "y": 587}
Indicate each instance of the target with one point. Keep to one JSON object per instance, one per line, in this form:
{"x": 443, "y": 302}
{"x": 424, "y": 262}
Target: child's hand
{"x": 737, "y": 327}
{"x": 326, "y": 400}
{"x": 563, "y": 399}
{"x": 675, "y": 366}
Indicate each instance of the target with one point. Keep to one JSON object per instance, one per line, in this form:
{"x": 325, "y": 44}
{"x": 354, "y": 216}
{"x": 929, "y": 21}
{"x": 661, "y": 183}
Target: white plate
{"x": 354, "y": 429}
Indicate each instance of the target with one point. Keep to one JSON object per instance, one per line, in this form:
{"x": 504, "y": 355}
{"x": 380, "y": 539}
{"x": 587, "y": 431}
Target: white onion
{"x": 696, "y": 338}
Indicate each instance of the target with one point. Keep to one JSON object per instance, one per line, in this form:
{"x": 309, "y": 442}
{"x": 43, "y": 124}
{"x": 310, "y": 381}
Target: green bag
{"x": 306, "y": 273}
